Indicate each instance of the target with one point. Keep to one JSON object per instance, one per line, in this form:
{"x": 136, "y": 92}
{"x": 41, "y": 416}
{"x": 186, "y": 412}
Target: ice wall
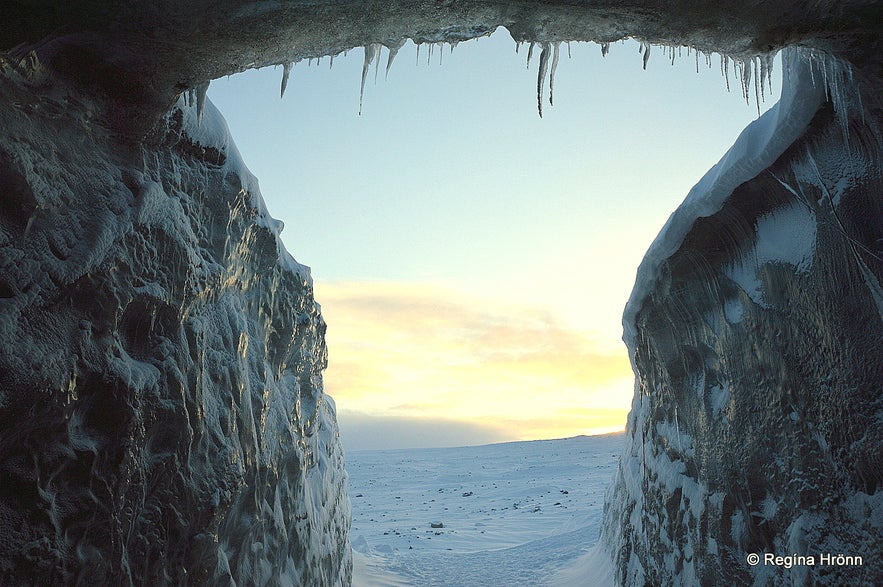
{"x": 755, "y": 331}
{"x": 162, "y": 420}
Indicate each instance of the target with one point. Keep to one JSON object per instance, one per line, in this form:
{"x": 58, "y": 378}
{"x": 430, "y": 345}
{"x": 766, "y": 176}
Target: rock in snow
{"x": 162, "y": 420}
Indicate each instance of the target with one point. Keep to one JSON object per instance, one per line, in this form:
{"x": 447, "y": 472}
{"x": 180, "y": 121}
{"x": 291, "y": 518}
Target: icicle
{"x": 418, "y": 53}
{"x": 441, "y": 52}
{"x": 824, "y": 65}
{"x": 393, "y": 51}
{"x": 725, "y": 70}
{"x": 429, "y": 56}
{"x": 757, "y": 91}
{"x": 201, "y": 90}
{"x": 646, "y": 54}
{"x": 370, "y": 53}
{"x": 746, "y": 80}
{"x": 569, "y": 56}
{"x": 541, "y": 75}
{"x": 766, "y": 75}
{"x": 555, "y": 47}
{"x": 377, "y": 62}
{"x": 605, "y": 49}
{"x": 286, "y": 71}
{"x": 530, "y": 52}
{"x": 330, "y": 65}
{"x": 812, "y": 74}
{"x": 517, "y": 47}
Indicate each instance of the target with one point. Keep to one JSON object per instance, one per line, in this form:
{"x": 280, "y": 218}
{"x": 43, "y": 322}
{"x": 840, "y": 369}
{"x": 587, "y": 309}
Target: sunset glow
{"x": 429, "y": 352}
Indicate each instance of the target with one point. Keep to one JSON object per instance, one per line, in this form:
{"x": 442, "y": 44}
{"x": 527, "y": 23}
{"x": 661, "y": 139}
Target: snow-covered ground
{"x": 519, "y": 513}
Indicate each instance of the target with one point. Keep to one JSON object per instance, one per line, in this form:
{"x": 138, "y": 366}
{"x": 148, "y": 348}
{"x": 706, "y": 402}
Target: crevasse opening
{"x": 502, "y": 162}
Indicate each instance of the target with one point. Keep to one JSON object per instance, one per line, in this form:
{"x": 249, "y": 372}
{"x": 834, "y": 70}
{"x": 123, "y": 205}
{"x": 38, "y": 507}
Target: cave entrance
{"x": 473, "y": 259}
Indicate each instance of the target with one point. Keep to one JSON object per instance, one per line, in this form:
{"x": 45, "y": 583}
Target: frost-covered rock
{"x": 162, "y": 420}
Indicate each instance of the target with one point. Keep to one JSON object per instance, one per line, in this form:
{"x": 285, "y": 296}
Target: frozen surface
{"x": 522, "y": 513}
{"x": 754, "y": 330}
{"x": 162, "y": 419}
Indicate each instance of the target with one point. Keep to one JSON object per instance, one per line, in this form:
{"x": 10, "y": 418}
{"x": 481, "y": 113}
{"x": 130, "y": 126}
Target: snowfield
{"x": 519, "y": 513}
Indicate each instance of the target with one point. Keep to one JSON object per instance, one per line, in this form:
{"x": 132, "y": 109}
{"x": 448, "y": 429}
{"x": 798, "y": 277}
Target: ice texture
{"x": 162, "y": 420}
{"x": 754, "y": 330}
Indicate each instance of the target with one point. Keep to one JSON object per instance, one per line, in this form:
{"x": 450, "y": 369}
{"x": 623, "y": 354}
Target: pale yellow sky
{"x": 428, "y": 351}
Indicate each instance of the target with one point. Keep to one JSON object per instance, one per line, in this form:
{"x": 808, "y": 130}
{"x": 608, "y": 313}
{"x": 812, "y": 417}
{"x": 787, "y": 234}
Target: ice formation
{"x": 754, "y": 328}
{"x": 162, "y": 420}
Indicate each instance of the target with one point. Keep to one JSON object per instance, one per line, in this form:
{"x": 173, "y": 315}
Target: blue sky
{"x": 473, "y": 259}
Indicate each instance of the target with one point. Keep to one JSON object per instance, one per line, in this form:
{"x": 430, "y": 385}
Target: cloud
{"x": 564, "y": 424}
{"x": 359, "y": 431}
{"x": 428, "y": 351}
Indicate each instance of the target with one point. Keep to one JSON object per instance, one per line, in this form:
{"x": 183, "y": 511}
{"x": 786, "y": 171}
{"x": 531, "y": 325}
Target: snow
{"x": 594, "y": 565}
{"x": 734, "y": 310}
{"x": 744, "y": 274}
{"x": 786, "y": 235}
{"x": 522, "y": 513}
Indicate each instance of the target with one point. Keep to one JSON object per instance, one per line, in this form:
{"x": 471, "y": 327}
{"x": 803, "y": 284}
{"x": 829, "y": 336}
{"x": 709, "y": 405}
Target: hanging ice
{"x": 286, "y": 71}
{"x": 555, "y": 51}
{"x": 393, "y": 51}
{"x": 370, "y": 55}
{"x": 201, "y": 91}
{"x": 546, "y": 48}
{"x": 541, "y": 75}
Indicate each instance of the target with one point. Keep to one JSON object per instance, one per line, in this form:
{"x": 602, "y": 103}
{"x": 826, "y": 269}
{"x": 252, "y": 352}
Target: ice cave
{"x": 162, "y": 415}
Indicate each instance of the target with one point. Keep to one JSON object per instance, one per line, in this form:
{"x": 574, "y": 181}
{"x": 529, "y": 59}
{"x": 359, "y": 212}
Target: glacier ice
{"x": 163, "y": 420}
{"x": 753, "y": 328}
